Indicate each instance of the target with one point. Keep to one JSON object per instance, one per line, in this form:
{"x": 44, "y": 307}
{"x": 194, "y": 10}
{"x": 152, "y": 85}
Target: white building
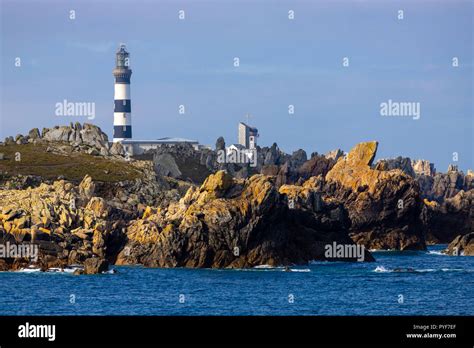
{"x": 248, "y": 136}
{"x": 138, "y": 147}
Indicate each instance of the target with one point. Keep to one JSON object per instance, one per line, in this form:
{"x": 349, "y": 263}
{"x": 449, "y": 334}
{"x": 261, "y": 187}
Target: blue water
{"x": 441, "y": 285}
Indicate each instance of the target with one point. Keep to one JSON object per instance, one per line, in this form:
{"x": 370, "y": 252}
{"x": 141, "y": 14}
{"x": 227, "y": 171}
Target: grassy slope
{"x": 74, "y": 166}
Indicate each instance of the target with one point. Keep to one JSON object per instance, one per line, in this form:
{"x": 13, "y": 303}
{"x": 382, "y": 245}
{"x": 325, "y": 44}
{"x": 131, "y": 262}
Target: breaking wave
{"x": 382, "y": 269}
{"x": 65, "y": 270}
{"x": 29, "y": 270}
{"x": 279, "y": 268}
{"x": 436, "y": 252}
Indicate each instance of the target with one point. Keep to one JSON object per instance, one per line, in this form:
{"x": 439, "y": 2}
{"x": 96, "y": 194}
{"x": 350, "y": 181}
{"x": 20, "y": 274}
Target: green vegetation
{"x": 35, "y": 160}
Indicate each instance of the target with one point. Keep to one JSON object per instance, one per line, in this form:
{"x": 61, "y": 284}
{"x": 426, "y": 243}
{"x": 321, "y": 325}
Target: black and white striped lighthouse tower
{"x": 122, "y": 109}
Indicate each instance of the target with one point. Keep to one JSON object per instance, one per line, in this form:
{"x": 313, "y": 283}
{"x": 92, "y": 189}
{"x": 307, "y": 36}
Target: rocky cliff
{"x": 86, "y": 138}
{"x": 84, "y": 202}
{"x": 234, "y": 223}
{"x": 383, "y": 206}
{"x": 74, "y": 222}
{"x": 442, "y": 222}
{"x": 462, "y": 245}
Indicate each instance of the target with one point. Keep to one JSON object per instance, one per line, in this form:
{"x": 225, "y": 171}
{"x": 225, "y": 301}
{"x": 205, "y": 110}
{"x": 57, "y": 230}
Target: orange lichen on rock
{"x": 355, "y": 170}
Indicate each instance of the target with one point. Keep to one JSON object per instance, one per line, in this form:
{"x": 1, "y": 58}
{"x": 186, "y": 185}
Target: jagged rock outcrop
{"x": 86, "y": 138}
{"x": 384, "y": 202}
{"x": 19, "y": 182}
{"x": 402, "y": 163}
{"x": 61, "y": 219}
{"x": 165, "y": 165}
{"x": 117, "y": 149}
{"x": 285, "y": 175}
{"x": 87, "y": 187}
{"x": 296, "y": 169}
{"x": 441, "y": 186}
{"x": 60, "y": 133}
{"x": 462, "y": 245}
{"x": 396, "y": 204}
{"x": 272, "y": 156}
{"x": 469, "y": 180}
{"x": 308, "y": 196}
{"x": 73, "y": 222}
{"x": 383, "y": 206}
{"x": 423, "y": 167}
{"x": 334, "y": 154}
{"x": 232, "y": 223}
{"x": 183, "y": 162}
{"x": 442, "y": 222}
{"x": 95, "y": 265}
{"x": 220, "y": 144}
{"x": 298, "y": 158}
{"x": 34, "y": 134}
{"x": 355, "y": 171}
{"x": 447, "y": 185}
{"x": 437, "y": 189}
{"x": 316, "y": 165}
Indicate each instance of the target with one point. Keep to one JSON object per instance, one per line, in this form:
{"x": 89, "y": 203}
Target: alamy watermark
{"x": 402, "y": 109}
{"x": 67, "y": 108}
{"x": 28, "y": 330}
{"x": 237, "y": 156}
{"x": 344, "y": 251}
{"x": 15, "y": 251}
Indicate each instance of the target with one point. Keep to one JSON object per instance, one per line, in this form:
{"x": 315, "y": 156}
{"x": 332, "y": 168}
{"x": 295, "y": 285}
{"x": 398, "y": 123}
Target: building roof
{"x": 177, "y": 140}
{"x": 253, "y": 129}
{"x": 166, "y": 140}
{"x": 238, "y": 146}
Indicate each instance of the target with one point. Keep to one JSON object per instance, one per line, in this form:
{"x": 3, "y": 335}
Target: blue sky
{"x": 282, "y": 62}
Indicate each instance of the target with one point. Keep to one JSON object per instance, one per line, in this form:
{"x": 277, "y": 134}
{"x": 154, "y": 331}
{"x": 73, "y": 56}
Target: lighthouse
{"x": 123, "y": 112}
{"x": 122, "y": 107}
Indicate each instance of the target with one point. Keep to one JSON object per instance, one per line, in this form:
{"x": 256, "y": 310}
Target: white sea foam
{"x": 29, "y": 270}
{"x": 55, "y": 270}
{"x": 67, "y": 270}
{"x": 381, "y": 269}
{"x": 435, "y": 252}
{"x": 278, "y": 268}
{"x": 265, "y": 267}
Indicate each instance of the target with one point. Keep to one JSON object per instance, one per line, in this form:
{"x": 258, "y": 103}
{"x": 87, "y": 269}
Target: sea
{"x": 398, "y": 283}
